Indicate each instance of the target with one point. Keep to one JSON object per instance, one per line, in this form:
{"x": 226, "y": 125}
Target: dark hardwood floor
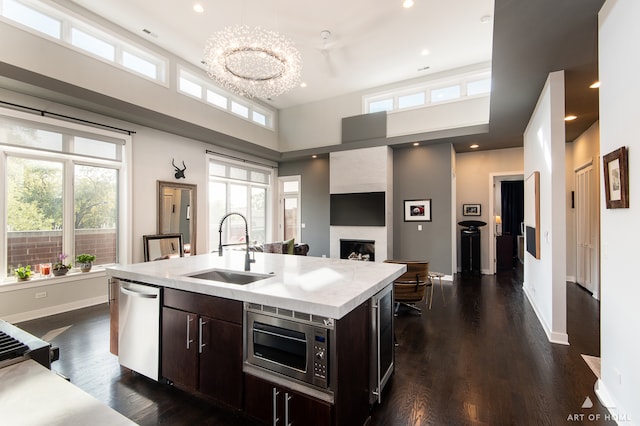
{"x": 478, "y": 357}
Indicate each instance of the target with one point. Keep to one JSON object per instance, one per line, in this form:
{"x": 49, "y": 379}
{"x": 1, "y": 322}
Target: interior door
{"x": 587, "y": 230}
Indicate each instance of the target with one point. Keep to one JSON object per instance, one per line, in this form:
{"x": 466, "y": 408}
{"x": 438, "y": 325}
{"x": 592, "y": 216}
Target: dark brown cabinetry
{"x": 202, "y": 345}
{"x": 504, "y": 252}
{"x": 113, "y": 290}
{"x": 275, "y": 405}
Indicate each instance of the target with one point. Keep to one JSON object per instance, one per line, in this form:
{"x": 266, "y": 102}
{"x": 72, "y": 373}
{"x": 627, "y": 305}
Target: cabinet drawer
{"x": 211, "y": 306}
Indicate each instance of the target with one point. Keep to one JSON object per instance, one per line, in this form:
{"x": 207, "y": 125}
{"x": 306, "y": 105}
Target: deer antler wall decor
{"x": 179, "y": 172}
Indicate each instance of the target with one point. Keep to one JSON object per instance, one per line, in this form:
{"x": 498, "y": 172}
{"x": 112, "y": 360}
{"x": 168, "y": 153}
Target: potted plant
{"x": 23, "y": 273}
{"x": 85, "y": 261}
{"x": 60, "y": 268}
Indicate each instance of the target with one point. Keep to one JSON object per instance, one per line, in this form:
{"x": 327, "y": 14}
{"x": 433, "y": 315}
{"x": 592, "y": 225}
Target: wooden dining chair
{"x": 410, "y": 288}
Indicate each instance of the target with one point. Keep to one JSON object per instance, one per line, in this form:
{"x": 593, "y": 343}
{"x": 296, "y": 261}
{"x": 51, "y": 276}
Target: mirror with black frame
{"x": 177, "y": 212}
{"x": 159, "y": 247}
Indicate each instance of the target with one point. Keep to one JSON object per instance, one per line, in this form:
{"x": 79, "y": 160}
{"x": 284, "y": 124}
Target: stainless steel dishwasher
{"x": 139, "y": 328}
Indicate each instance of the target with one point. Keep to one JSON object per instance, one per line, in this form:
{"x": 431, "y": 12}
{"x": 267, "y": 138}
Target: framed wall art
{"x": 532, "y": 214}
{"x": 616, "y": 179}
{"x": 417, "y": 210}
{"x": 471, "y": 209}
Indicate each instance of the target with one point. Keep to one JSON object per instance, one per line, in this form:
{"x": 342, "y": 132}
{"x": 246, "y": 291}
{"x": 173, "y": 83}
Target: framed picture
{"x": 471, "y": 209}
{"x": 417, "y": 210}
{"x": 532, "y": 214}
{"x": 616, "y": 179}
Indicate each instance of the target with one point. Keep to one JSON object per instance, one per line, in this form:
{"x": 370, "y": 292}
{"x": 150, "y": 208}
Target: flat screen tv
{"x": 358, "y": 209}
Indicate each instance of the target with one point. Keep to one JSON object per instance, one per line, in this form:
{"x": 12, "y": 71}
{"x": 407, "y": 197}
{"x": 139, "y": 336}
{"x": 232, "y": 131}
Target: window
{"x": 239, "y": 188}
{"x": 68, "y": 28}
{"x": 445, "y": 94}
{"x": 63, "y": 184}
{"x": 204, "y": 89}
{"x": 290, "y": 213}
{"x": 413, "y": 100}
{"x": 92, "y": 44}
{"x": 479, "y": 87}
{"x": 452, "y": 89}
{"x": 382, "y": 105}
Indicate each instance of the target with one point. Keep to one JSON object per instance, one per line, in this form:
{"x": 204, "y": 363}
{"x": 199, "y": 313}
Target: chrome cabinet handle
{"x": 275, "y": 406}
{"x": 189, "y": 341}
{"x": 200, "y": 343}
{"x": 287, "y": 398}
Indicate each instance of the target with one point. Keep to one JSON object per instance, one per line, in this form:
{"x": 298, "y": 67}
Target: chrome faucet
{"x": 247, "y": 260}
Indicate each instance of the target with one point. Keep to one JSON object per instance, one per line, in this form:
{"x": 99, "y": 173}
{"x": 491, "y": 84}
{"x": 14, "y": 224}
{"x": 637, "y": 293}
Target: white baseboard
{"x": 57, "y": 309}
{"x": 554, "y": 337}
{"x": 571, "y": 279}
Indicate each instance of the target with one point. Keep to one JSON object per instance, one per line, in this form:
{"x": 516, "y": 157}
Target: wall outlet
{"x": 419, "y": 227}
{"x": 41, "y": 295}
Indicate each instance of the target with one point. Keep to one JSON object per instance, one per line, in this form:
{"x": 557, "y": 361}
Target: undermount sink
{"x": 230, "y": 277}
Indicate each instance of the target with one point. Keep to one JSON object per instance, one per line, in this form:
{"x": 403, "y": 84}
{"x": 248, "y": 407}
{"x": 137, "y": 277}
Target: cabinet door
{"x": 301, "y": 410}
{"x": 291, "y": 408}
{"x": 180, "y": 347}
{"x": 220, "y": 348}
{"x": 113, "y": 292}
{"x": 258, "y": 399}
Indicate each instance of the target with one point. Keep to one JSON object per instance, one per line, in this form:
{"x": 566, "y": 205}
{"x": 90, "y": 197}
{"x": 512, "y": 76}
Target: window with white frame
{"x": 463, "y": 87}
{"x": 289, "y": 207}
{"x": 67, "y": 28}
{"x": 238, "y": 187}
{"x": 61, "y": 185}
{"x": 207, "y": 92}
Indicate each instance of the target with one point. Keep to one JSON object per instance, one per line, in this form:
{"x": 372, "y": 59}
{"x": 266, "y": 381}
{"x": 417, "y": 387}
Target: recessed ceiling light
{"x": 407, "y": 4}
{"x": 314, "y": 156}
{"x": 198, "y": 8}
{"x": 303, "y": 84}
{"x": 474, "y": 146}
{"x": 416, "y": 144}
{"x": 595, "y": 85}
{"x": 424, "y": 52}
{"x": 570, "y": 117}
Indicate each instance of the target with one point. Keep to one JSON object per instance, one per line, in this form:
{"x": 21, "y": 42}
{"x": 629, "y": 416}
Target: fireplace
{"x": 358, "y": 249}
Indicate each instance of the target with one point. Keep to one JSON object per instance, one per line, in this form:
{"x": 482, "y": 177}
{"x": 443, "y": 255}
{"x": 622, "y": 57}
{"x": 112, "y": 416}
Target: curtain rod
{"x": 67, "y": 117}
{"x": 244, "y": 160}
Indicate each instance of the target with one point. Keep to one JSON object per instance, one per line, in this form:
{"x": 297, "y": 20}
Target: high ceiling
{"x": 377, "y": 42}
{"x": 372, "y": 42}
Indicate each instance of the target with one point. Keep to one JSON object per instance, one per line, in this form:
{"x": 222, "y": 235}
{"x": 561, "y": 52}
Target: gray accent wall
{"x": 424, "y": 172}
{"x": 314, "y": 176}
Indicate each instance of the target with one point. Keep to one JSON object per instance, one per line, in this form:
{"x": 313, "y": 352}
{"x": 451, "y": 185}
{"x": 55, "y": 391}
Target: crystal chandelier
{"x": 252, "y": 62}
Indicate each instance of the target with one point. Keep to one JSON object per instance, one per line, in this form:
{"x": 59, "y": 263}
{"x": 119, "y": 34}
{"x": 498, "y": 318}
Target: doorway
{"x": 503, "y": 237}
{"x": 587, "y": 229}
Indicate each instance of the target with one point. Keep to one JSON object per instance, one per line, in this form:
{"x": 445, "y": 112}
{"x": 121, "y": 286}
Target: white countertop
{"x": 32, "y": 395}
{"x": 314, "y": 285}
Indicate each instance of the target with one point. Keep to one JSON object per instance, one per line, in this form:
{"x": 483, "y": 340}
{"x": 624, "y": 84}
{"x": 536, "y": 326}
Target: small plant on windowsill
{"x": 85, "y": 261}
{"x": 60, "y": 268}
{"x": 23, "y": 273}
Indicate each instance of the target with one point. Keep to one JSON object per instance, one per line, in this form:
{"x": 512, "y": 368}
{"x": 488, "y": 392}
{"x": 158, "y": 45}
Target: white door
{"x": 587, "y": 230}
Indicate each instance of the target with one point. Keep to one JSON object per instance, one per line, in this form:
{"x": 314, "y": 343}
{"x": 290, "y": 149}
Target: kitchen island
{"x": 297, "y": 338}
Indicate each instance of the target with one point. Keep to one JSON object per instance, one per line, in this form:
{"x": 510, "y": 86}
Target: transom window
{"x": 205, "y": 91}
{"x": 432, "y": 93}
{"x": 66, "y": 28}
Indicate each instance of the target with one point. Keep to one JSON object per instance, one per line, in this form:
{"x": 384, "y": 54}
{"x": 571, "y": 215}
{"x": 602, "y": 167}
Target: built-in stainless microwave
{"x": 292, "y": 344}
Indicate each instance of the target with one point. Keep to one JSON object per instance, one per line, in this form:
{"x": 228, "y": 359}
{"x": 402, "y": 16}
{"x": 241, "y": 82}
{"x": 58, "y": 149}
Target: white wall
{"x": 619, "y": 111}
{"x": 473, "y": 181}
{"x": 544, "y": 151}
{"x": 363, "y": 170}
{"x": 319, "y": 124}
